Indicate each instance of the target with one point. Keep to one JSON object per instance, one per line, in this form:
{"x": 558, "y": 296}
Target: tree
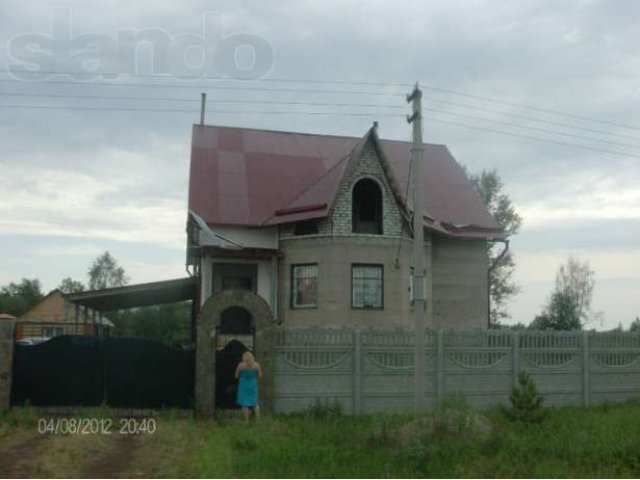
{"x": 577, "y": 280}
{"x": 17, "y": 298}
{"x": 526, "y": 402}
{"x": 501, "y": 286}
{"x": 570, "y": 302}
{"x": 168, "y": 323}
{"x": 635, "y": 325}
{"x": 69, "y": 285}
{"x": 561, "y": 314}
{"x": 106, "y": 273}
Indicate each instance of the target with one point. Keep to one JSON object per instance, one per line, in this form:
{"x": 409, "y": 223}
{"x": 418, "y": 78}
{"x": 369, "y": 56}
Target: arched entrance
{"x": 226, "y": 311}
{"x": 234, "y": 337}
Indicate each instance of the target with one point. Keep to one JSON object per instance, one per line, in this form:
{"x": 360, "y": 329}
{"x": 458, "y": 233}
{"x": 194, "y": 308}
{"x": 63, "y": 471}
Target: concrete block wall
{"x": 371, "y": 370}
{"x": 334, "y": 256}
{"x": 460, "y": 283}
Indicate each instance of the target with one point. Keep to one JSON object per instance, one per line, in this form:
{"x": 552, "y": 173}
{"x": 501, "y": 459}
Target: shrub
{"x": 324, "y": 409}
{"x": 526, "y": 402}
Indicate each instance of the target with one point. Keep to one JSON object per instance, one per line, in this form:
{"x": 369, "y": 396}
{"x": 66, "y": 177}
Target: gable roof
{"x": 255, "y": 178}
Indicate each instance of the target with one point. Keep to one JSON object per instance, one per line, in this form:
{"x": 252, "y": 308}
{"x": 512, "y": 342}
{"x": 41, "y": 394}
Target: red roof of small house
{"x": 249, "y": 177}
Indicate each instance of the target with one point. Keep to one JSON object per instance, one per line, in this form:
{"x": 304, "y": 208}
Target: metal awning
{"x": 140, "y": 295}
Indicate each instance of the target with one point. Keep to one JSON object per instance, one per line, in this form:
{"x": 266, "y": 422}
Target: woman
{"x": 247, "y": 372}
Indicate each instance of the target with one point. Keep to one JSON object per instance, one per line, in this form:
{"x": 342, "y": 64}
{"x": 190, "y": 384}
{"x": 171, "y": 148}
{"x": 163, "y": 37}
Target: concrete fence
{"x": 370, "y": 370}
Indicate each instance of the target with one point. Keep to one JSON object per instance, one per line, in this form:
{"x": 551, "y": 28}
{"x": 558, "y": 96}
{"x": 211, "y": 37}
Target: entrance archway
{"x": 234, "y": 337}
{"x": 231, "y": 303}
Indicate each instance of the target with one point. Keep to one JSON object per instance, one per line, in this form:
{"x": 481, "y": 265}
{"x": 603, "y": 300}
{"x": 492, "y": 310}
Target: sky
{"x": 545, "y": 92}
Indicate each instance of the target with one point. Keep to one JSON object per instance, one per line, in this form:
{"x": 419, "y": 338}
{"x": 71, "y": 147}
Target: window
{"x": 304, "y": 286}
{"x": 241, "y": 276}
{"x": 49, "y": 332}
{"x": 366, "y": 206}
{"x": 367, "y": 283}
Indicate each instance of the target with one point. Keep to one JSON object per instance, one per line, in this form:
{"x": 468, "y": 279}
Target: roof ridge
{"x": 309, "y": 134}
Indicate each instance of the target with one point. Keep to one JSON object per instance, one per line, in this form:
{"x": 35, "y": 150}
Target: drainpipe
{"x": 491, "y": 267}
{"x": 274, "y": 286}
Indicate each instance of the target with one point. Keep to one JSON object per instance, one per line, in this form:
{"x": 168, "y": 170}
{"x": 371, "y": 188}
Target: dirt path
{"x": 116, "y": 459}
{"x": 20, "y": 454}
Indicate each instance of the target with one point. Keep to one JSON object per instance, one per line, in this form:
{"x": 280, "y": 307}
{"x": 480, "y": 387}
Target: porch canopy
{"x": 140, "y": 295}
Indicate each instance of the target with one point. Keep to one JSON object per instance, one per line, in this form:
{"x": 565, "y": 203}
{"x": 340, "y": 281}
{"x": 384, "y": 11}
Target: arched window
{"x": 367, "y": 207}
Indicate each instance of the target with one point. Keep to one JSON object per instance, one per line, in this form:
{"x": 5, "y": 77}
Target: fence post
{"x": 439, "y": 367}
{"x": 515, "y": 352}
{"x": 357, "y": 371}
{"x": 585, "y": 368}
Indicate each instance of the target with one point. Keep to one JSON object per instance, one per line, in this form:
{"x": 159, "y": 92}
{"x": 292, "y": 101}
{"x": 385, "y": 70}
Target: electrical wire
{"x": 403, "y": 85}
{"x": 206, "y": 87}
{"x": 348, "y": 104}
{"x": 526, "y": 117}
{"x": 529, "y": 107}
{"x": 530, "y": 137}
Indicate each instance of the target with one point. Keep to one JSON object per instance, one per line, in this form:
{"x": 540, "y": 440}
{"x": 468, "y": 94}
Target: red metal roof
{"x": 250, "y": 177}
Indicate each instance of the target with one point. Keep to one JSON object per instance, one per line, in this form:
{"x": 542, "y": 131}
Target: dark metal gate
{"x": 226, "y": 384}
{"x": 90, "y": 371}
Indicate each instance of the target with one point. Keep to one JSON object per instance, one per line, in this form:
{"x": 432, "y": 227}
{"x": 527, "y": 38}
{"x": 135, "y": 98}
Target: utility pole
{"x": 418, "y": 287}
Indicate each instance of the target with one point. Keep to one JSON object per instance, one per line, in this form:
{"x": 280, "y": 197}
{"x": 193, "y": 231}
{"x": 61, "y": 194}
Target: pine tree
{"x": 526, "y": 402}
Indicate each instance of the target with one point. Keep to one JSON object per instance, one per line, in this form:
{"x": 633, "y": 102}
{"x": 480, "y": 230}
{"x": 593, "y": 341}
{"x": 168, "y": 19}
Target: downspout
{"x": 491, "y": 267}
{"x": 274, "y": 286}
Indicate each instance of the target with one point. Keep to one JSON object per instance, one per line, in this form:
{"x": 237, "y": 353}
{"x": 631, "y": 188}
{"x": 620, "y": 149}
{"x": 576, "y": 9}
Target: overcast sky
{"x": 77, "y": 182}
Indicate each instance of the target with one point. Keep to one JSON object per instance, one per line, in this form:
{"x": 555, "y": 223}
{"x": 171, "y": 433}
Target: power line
{"x": 537, "y": 129}
{"x": 531, "y": 137}
{"x": 307, "y": 81}
{"x": 133, "y": 109}
{"x": 525, "y": 117}
{"x": 355, "y": 114}
{"x": 217, "y": 78}
{"x": 348, "y": 104}
{"x": 170, "y": 99}
{"x": 530, "y": 107}
{"x": 209, "y": 87}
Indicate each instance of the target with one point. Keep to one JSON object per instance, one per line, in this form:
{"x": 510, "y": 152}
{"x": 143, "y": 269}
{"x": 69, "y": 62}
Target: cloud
{"x": 119, "y": 179}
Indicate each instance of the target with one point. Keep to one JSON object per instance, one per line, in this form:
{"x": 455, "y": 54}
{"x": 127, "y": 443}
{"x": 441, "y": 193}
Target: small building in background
{"x": 56, "y": 315}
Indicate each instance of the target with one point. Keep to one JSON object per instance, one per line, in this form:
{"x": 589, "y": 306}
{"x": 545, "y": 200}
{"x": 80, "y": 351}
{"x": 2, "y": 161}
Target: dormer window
{"x": 367, "y": 207}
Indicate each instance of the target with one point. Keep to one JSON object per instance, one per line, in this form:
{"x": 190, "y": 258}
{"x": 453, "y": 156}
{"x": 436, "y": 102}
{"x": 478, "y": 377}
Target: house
{"x": 56, "y": 315}
{"x": 320, "y": 227}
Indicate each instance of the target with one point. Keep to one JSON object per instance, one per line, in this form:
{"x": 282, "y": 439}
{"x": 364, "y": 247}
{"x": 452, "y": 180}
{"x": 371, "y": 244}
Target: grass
{"x": 453, "y": 441}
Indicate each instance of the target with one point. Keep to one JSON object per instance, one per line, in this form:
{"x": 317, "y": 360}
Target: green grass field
{"x": 601, "y": 441}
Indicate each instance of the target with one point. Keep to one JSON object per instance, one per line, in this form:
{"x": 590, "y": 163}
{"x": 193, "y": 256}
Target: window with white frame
{"x": 50, "y": 332}
{"x": 304, "y": 285}
{"x": 367, "y": 286}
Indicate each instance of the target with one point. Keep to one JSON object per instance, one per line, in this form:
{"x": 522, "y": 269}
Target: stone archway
{"x": 264, "y": 350}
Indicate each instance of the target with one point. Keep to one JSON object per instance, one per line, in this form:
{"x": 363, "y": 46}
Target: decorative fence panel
{"x": 370, "y": 370}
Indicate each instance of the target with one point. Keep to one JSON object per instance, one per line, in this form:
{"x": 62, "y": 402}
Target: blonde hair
{"x": 249, "y": 360}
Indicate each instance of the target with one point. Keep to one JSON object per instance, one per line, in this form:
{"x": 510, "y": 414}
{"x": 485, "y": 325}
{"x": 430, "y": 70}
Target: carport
{"x": 139, "y": 295}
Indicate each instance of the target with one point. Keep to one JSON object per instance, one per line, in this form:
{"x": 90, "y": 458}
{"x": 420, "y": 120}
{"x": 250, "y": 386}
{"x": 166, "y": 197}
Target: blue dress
{"x": 247, "y": 388}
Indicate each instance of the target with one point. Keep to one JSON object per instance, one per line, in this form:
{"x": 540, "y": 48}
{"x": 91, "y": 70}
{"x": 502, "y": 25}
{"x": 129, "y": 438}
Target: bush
{"x": 324, "y": 409}
{"x": 526, "y": 402}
